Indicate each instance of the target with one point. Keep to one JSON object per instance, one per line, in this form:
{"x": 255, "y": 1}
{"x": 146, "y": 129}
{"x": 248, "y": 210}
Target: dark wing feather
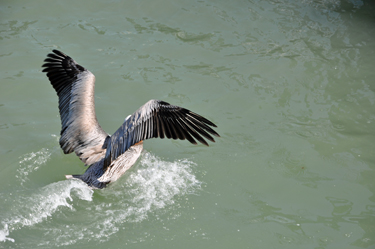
{"x": 158, "y": 119}
{"x": 74, "y": 85}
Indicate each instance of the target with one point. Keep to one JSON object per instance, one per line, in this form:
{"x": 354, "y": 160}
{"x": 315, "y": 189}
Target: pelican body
{"x": 110, "y": 156}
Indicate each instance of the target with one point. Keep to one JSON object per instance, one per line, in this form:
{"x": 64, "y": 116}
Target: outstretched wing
{"x": 74, "y": 85}
{"x": 158, "y": 119}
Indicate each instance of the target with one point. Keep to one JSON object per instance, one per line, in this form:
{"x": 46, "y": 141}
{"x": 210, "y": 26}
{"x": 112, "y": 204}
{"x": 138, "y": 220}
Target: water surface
{"x": 290, "y": 85}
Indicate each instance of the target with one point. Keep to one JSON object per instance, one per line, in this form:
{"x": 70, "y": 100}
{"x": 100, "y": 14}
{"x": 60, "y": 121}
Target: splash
{"x": 4, "y": 233}
{"x": 148, "y": 189}
{"x": 57, "y": 212}
{"x": 156, "y": 183}
{"x": 34, "y": 209}
{"x": 31, "y": 162}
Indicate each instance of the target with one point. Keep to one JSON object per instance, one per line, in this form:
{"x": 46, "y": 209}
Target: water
{"x": 289, "y": 84}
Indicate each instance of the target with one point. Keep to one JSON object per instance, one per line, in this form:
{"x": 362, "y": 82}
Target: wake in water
{"x": 31, "y": 210}
{"x": 151, "y": 185}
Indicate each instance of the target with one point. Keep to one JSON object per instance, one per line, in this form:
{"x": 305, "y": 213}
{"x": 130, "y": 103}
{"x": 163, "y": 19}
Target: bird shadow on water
{"x": 68, "y": 212}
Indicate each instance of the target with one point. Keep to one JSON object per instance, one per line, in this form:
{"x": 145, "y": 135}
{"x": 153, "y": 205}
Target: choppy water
{"x": 290, "y": 85}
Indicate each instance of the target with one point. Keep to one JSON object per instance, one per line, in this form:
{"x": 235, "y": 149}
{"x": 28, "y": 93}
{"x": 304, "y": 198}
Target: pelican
{"x": 110, "y": 156}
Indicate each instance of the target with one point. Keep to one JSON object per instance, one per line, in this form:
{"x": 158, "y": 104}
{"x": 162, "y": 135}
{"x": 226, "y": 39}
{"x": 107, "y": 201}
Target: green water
{"x": 290, "y": 85}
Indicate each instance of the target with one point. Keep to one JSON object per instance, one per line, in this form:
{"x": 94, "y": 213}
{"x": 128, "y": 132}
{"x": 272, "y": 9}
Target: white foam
{"x": 152, "y": 185}
{"x": 157, "y": 182}
{"x": 33, "y": 209}
{"x": 31, "y": 162}
{"x": 4, "y": 233}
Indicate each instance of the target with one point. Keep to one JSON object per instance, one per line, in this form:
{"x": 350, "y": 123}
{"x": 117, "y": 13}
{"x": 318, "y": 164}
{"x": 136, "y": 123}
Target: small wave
{"x": 158, "y": 182}
{"x": 57, "y": 212}
{"x": 30, "y": 210}
{"x": 153, "y": 186}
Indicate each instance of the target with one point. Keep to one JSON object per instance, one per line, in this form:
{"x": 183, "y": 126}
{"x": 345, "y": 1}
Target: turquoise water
{"x": 290, "y": 85}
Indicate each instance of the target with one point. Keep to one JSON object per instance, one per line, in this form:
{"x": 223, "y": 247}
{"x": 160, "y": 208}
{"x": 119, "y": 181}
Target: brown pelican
{"x": 108, "y": 157}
